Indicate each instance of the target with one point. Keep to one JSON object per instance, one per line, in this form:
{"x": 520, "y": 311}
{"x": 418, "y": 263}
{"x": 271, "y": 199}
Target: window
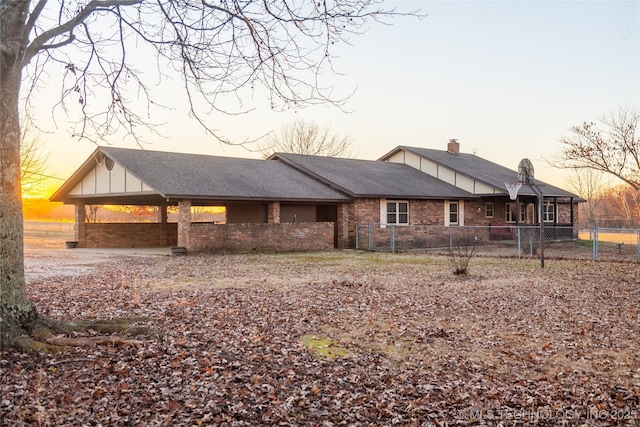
{"x": 549, "y": 212}
{"x": 488, "y": 210}
{"x": 453, "y": 213}
{"x": 397, "y": 212}
{"x": 510, "y": 212}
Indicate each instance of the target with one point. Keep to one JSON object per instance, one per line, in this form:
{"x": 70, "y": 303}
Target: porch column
{"x": 273, "y": 214}
{"x": 161, "y": 218}
{"x": 342, "y": 226}
{"x": 571, "y": 208}
{"x": 80, "y": 227}
{"x": 161, "y": 214}
{"x": 184, "y": 222}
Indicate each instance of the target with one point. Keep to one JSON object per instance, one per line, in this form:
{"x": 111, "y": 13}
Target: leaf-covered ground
{"x": 336, "y": 338}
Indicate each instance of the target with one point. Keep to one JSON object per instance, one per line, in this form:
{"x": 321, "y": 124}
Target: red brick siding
{"x": 307, "y": 236}
{"x": 366, "y": 210}
{"x": 363, "y": 211}
{"x": 426, "y": 212}
{"x": 564, "y": 213}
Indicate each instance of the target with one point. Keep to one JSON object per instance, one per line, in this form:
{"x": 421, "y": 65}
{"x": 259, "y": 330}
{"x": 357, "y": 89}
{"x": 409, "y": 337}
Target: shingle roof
{"x": 296, "y": 177}
{"x": 214, "y": 177}
{"x": 481, "y": 169}
{"x": 368, "y": 178}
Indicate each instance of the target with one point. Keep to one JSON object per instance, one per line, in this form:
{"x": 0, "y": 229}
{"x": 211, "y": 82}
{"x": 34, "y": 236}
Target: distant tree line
{"x": 613, "y": 207}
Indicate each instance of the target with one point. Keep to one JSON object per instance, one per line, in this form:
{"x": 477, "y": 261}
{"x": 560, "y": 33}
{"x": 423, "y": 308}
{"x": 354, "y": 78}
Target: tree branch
{"x": 39, "y": 42}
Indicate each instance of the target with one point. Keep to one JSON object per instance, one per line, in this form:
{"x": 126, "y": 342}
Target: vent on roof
{"x": 453, "y": 146}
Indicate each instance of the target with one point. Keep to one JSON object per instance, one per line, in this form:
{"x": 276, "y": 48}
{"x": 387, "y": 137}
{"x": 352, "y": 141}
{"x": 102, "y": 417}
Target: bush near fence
{"x": 502, "y": 240}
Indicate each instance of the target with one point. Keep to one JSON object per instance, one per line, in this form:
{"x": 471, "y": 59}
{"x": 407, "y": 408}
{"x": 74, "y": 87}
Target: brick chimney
{"x": 453, "y": 146}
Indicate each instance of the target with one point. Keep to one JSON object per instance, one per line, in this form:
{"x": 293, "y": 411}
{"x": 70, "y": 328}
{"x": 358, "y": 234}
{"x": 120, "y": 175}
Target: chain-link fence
{"x": 515, "y": 241}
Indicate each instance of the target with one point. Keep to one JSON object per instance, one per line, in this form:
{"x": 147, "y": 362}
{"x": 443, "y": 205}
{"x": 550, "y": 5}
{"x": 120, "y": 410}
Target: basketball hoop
{"x": 512, "y": 188}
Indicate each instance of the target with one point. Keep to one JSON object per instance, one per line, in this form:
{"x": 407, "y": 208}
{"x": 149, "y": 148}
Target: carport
{"x": 270, "y": 206}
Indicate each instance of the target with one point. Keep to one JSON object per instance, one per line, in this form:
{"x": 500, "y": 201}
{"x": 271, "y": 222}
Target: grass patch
{"x": 322, "y": 346}
{"x": 585, "y": 243}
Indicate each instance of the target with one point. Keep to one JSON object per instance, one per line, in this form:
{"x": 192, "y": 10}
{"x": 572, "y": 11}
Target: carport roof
{"x": 179, "y": 175}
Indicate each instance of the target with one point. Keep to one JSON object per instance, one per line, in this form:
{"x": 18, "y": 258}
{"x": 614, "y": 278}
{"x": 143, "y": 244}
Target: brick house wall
{"x": 426, "y": 212}
{"x": 564, "y": 213}
{"x": 363, "y": 211}
{"x": 306, "y": 236}
{"x": 366, "y": 210}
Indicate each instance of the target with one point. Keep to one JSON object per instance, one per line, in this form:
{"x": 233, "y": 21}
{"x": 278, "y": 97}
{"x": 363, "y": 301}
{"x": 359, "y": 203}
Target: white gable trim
{"x": 103, "y": 181}
{"x": 443, "y": 173}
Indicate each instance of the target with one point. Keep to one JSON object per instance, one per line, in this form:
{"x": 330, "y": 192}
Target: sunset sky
{"x": 506, "y": 78}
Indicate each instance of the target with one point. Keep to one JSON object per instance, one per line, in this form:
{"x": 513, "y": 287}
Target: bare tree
{"x": 620, "y": 207}
{"x": 307, "y": 137}
{"x": 91, "y": 213}
{"x": 33, "y": 161}
{"x": 221, "y": 51}
{"x": 609, "y": 145}
{"x": 591, "y": 185}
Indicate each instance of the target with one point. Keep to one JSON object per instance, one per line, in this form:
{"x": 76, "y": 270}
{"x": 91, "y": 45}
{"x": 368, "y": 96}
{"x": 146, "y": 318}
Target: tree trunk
{"x": 20, "y": 323}
{"x": 17, "y": 314}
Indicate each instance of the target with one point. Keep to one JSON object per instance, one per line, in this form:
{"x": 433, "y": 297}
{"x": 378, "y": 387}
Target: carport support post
{"x": 273, "y": 216}
{"x": 184, "y": 222}
{"x": 162, "y": 214}
{"x": 79, "y": 229}
{"x": 342, "y": 222}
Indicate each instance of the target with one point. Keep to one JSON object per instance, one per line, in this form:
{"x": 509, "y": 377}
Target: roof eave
{"x": 255, "y": 199}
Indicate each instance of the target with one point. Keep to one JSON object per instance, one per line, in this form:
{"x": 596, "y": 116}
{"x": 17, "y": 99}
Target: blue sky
{"x": 506, "y": 78}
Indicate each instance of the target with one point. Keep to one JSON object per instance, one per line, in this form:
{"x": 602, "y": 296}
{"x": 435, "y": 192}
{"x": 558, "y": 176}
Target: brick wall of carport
{"x": 319, "y": 235}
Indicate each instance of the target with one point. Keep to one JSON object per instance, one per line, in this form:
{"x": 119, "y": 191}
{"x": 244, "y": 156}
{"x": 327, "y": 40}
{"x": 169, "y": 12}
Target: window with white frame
{"x": 510, "y": 212}
{"x": 488, "y": 210}
{"x": 549, "y": 212}
{"x": 397, "y": 212}
{"x": 454, "y": 214}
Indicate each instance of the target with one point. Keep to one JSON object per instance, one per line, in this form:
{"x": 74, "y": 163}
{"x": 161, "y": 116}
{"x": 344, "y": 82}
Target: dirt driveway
{"x": 43, "y": 263}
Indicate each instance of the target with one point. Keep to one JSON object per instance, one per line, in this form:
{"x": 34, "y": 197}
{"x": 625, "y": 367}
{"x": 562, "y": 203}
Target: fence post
{"x": 369, "y": 236}
{"x": 357, "y": 235}
{"x": 450, "y": 239}
{"x": 518, "y": 236}
{"x": 595, "y": 244}
{"x": 393, "y": 238}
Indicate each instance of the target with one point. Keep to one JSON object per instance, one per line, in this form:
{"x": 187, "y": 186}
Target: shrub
{"x": 461, "y": 255}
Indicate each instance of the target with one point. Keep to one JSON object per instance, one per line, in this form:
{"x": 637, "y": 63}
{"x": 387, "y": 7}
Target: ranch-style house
{"x": 299, "y": 202}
